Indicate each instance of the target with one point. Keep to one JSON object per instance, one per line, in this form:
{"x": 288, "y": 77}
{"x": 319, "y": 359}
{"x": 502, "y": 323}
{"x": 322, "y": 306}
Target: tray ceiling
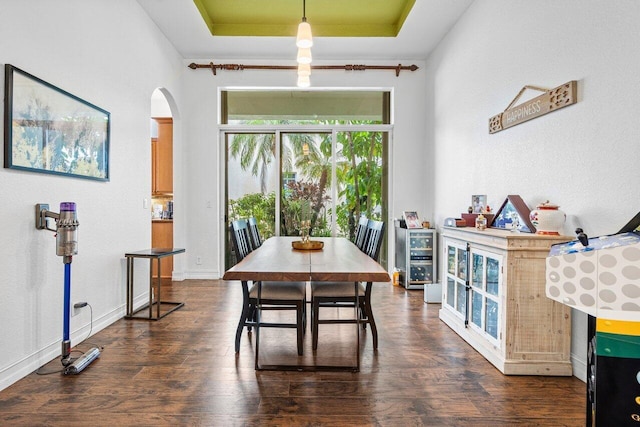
{"x": 328, "y": 18}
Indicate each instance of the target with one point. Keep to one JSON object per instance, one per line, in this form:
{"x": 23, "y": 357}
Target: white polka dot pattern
{"x": 602, "y": 283}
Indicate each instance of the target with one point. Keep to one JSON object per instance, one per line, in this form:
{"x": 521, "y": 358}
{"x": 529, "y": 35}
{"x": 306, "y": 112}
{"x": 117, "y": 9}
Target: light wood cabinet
{"x": 162, "y": 158}
{"x": 162, "y": 237}
{"x": 493, "y": 296}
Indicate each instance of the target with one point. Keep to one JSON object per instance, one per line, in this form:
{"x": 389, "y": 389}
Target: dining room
{"x": 429, "y": 94}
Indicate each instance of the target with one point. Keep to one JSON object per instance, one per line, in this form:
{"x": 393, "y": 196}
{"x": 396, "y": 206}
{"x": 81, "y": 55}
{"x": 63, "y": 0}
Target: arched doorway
{"x": 162, "y": 186}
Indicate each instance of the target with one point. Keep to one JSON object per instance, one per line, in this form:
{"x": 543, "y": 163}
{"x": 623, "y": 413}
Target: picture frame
{"x": 478, "y": 203}
{"x": 48, "y": 130}
{"x": 411, "y": 219}
{"x": 513, "y": 215}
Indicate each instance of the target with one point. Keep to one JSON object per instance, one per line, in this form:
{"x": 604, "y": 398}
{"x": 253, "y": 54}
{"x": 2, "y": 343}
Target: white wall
{"x": 583, "y": 157}
{"x": 410, "y": 184}
{"x": 112, "y": 56}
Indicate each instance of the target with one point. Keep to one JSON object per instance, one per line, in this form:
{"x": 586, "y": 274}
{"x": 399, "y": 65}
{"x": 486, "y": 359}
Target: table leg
{"x": 129, "y": 309}
{"x": 158, "y": 297}
{"x": 357, "y": 322}
{"x": 257, "y": 326}
{"x": 150, "y": 288}
{"x": 154, "y": 298}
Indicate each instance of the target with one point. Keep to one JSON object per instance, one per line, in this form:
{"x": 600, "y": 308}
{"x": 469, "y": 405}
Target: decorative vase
{"x": 547, "y": 219}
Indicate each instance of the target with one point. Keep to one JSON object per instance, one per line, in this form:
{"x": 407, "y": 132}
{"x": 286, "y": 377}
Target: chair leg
{"x": 300, "y": 326}
{"x": 304, "y": 317}
{"x": 241, "y": 323}
{"x": 372, "y": 322}
{"x": 314, "y": 322}
{"x": 251, "y": 316}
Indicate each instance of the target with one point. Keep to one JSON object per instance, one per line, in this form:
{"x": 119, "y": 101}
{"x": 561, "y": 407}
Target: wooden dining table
{"x": 338, "y": 261}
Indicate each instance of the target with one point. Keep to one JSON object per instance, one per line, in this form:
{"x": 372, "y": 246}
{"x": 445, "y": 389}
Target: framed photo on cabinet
{"x": 478, "y": 203}
{"x": 411, "y": 219}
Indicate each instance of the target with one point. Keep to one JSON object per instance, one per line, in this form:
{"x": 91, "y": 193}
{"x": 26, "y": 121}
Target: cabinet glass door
{"x": 462, "y": 264}
{"x": 493, "y": 276}
{"x": 451, "y": 292}
{"x": 451, "y": 260}
{"x": 455, "y": 295}
{"x": 491, "y": 321}
{"x": 486, "y": 278}
{"x": 477, "y": 270}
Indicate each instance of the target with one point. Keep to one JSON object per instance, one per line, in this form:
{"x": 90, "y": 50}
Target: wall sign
{"x": 551, "y": 100}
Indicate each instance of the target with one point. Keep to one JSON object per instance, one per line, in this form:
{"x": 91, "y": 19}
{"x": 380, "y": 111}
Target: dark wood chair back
{"x": 254, "y": 233}
{"x": 240, "y": 238}
{"x": 361, "y": 232}
{"x": 375, "y": 233}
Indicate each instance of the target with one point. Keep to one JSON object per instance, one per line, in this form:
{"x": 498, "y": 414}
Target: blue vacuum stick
{"x": 66, "y": 340}
{"x": 66, "y": 246}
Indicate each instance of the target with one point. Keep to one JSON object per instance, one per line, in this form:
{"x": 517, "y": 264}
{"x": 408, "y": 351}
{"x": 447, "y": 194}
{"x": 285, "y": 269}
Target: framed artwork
{"x": 411, "y": 219}
{"x": 48, "y": 130}
{"x": 478, "y": 203}
{"x": 513, "y": 215}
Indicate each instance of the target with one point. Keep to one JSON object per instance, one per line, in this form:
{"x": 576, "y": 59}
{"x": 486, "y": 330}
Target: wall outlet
{"x": 198, "y": 260}
{"x": 77, "y": 307}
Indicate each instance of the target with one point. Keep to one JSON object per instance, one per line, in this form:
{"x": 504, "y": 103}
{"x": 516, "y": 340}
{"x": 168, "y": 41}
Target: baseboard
{"x": 202, "y": 275}
{"x": 579, "y": 368}
{"x": 177, "y": 276}
{"x": 41, "y": 357}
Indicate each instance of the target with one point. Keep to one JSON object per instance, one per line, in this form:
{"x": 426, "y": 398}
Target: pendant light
{"x": 304, "y": 69}
{"x": 304, "y": 55}
{"x": 304, "y": 39}
{"x": 304, "y": 81}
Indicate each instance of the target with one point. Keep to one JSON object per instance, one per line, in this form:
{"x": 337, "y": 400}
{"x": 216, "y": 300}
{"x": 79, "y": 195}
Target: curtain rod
{"x": 348, "y": 67}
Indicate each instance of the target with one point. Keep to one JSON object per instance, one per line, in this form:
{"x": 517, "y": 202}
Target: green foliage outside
{"x": 260, "y": 206}
{"x": 359, "y": 173}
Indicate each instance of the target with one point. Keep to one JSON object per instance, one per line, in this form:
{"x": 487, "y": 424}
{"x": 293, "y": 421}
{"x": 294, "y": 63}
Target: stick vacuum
{"x": 66, "y": 246}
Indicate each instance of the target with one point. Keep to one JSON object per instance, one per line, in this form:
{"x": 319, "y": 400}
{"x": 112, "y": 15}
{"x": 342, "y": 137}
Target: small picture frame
{"x": 478, "y": 203}
{"x": 411, "y": 219}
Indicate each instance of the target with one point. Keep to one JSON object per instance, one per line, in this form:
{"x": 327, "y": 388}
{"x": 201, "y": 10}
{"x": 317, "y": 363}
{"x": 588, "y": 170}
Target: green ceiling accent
{"x": 328, "y": 18}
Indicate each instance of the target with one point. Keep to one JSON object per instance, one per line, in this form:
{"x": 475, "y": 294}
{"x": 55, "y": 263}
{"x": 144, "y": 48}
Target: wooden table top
{"x": 340, "y": 260}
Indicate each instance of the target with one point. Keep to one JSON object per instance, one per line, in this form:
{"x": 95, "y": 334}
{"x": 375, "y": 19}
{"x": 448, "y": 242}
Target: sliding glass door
{"x": 315, "y": 155}
{"x": 251, "y": 181}
{"x": 329, "y": 178}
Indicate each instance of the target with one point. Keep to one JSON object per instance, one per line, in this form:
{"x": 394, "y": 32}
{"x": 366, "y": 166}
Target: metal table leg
{"x": 153, "y": 299}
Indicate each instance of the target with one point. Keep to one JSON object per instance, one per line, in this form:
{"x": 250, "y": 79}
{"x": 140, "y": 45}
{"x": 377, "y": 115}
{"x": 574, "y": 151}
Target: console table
{"x": 154, "y": 301}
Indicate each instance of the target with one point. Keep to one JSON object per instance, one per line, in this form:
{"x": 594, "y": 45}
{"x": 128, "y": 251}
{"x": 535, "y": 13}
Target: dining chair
{"x": 273, "y": 295}
{"x": 342, "y": 294}
{"x": 361, "y": 232}
{"x": 254, "y": 233}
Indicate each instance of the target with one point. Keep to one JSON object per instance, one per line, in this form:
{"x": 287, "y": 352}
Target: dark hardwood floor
{"x": 182, "y": 370}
